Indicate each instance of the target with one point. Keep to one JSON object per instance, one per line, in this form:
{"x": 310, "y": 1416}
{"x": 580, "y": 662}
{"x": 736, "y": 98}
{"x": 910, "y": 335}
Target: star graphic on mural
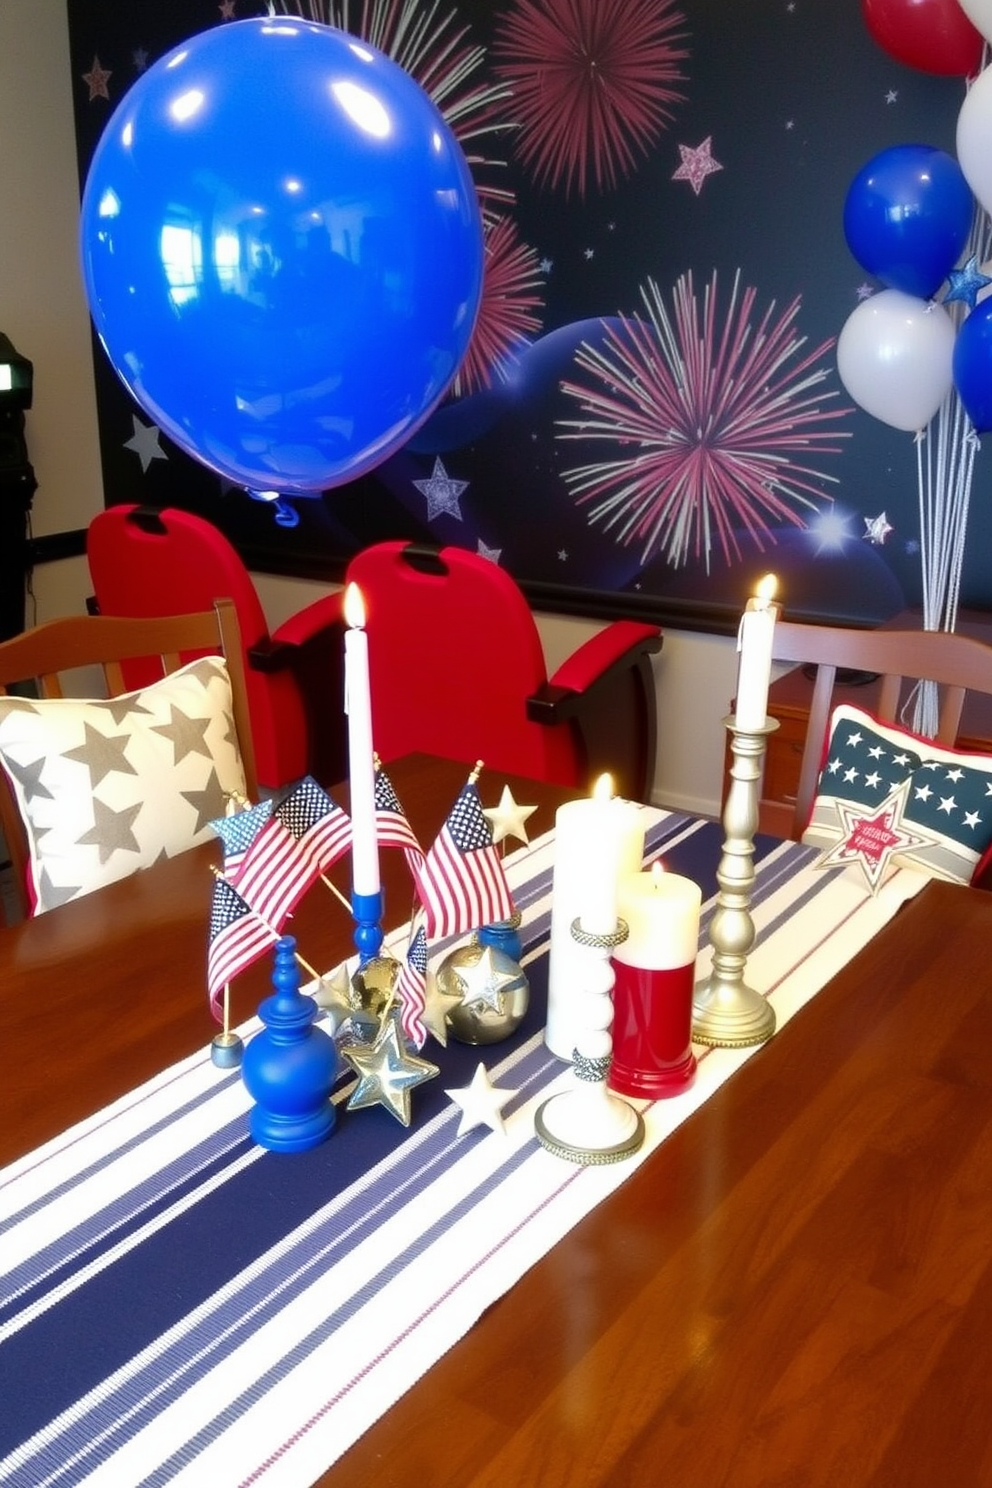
{"x": 966, "y": 284}
{"x": 864, "y": 291}
{"x": 96, "y": 80}
{"x": 877, "y": 529}
{"x": 892, "y": 95}
{"x": 492, "y": 554}
{"x": 589, "y": 253}
{"x": 144, "y": 442}
{"x": 546, "y": 265}
{"x": 442, "y": 492}
{"x": 226, "y": 8}
{"x": 872, "y": 838}
{"x": 697, "y": 164}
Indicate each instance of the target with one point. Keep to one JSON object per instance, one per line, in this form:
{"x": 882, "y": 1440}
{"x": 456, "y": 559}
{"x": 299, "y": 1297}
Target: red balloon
{"x": 932, "y": 35}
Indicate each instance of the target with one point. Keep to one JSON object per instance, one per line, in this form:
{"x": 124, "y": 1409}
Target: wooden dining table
{"x": 794, "y": 1289}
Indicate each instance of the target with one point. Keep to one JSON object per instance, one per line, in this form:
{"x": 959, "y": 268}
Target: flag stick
{"x": 335, "y": 891}
{"x": 227, "y": 1010}
{"x": 310, "y": 970}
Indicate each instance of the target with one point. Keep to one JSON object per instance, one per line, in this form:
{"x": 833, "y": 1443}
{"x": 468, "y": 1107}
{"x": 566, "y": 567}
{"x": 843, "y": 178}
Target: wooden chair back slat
{"x": 958, "y": 664}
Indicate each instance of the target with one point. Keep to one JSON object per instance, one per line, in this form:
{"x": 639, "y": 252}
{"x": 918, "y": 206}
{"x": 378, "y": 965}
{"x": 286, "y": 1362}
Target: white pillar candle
{"x": 574, "y": 897}
{"x": 361, "y": 762}
{"x": 755, "y": 639}
{"x": 661, "y": 911}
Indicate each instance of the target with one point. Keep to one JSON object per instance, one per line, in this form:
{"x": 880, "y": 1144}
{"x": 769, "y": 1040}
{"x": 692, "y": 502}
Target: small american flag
{"x": 391, "y": 825}
{"x": 461, "y": 882}
{"x": 237, "y": 937}
{"x": 411, "y": 988}
{"x": 307, "y": 834}
{"x": 238, "y": 831}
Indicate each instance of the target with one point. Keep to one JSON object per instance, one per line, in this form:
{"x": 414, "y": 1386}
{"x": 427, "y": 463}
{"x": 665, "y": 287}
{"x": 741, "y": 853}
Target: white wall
{"x": 43, "y": 311}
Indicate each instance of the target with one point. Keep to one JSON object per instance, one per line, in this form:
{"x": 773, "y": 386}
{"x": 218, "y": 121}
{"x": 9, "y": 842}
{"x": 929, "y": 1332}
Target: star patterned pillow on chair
{"x": 108, "y": 786}
{"x": 887, "y": 795}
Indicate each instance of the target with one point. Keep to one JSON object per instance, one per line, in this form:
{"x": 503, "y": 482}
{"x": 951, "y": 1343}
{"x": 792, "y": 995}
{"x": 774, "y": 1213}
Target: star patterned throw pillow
{"x": 109, "y": 786}
{"x": 887, "y": 796}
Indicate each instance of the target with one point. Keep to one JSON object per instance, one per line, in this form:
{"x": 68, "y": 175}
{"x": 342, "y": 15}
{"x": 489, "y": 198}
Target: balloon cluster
{"x": 908, "y": 218}
{"x": 282, "y": 252}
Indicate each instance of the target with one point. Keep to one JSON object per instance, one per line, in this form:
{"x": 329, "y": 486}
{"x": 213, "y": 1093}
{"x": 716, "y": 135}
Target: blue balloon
{"x": 282, "y": 252}
{"x": 907, "y": 216}
{"x": 972, "y": 365}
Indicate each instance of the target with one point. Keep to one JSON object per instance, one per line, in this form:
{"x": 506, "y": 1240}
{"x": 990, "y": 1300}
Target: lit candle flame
{"x": 657, "y": 872}
{"x": 603, "y": 789}
{"x": 354, "y": 607}
{"x": 767, "y": 587}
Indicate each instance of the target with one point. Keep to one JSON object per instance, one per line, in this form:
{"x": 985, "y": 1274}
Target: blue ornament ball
{"x": 282, "y": 252}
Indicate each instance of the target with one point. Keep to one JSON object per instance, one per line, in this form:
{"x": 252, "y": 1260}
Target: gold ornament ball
{"x": 494, "y": 993}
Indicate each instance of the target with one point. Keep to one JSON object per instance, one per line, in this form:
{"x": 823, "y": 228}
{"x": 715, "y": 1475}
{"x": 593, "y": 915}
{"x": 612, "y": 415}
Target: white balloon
{"x": 974, "y": 136}
{"x": 979, "y": 13}
{"x": 895, "y": 358}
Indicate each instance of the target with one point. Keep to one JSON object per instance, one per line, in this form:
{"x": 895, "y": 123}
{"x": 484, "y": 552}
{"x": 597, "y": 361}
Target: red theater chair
{"x": 145, "y": 562}
{"x": 457, "y": 670}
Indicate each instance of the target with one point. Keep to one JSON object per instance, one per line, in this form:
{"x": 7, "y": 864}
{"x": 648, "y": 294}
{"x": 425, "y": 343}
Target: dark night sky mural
{"x": 650, "y": 414}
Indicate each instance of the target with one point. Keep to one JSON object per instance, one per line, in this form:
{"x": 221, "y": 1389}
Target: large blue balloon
{"x": 907, "y": 216}
{"x": 972, "y": 365}
{"x": 282, "y": 252}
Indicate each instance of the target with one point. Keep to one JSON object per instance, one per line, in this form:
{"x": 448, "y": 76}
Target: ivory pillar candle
{"x": 755, "y": 639}
{"x": 652, "y": 995}
{"x": 361, "y": 761}
{"x": 604, "y": 840}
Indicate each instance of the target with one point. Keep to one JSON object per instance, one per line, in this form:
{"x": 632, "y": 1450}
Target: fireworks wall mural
{"x": 649, "y": 414}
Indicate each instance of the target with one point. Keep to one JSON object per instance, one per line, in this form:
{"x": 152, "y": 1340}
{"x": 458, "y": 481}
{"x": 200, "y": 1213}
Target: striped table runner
{"x": 179, "y": 1307}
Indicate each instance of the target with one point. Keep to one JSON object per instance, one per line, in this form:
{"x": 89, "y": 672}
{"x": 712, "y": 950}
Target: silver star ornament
{"x": 387, "y": 1071}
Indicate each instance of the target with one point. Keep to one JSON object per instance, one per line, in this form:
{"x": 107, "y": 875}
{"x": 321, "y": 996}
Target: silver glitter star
{"x": 877, "y": 529}
{"x": 442, "y": 492}
{"x": 387, "y": 1071}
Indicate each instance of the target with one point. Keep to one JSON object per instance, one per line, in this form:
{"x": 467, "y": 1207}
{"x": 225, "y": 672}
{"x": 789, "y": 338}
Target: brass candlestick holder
{"x": 726, "y": 1012}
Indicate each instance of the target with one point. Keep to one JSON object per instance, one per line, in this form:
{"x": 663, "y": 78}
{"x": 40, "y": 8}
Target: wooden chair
{"x": 148, "y": 562}
{"x": 957, "y": 663}
{"x": 44, "y": 655}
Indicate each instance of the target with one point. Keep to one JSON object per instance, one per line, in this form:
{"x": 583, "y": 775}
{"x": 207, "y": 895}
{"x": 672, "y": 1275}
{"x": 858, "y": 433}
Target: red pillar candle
{"x": 652, "y": 997}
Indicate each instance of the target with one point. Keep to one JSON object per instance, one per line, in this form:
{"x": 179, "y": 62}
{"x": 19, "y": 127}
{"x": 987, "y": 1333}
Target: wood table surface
{"x": 794, "y": 1290}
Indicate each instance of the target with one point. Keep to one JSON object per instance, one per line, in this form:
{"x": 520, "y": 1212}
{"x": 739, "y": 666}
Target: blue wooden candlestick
{"x": 289, "y": 1067}
{"x": 367, "y": 910}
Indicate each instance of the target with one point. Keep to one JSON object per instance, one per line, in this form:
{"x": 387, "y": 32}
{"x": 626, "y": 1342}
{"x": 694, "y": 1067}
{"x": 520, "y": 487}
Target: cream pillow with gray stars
{"x": 109, "y": 786}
